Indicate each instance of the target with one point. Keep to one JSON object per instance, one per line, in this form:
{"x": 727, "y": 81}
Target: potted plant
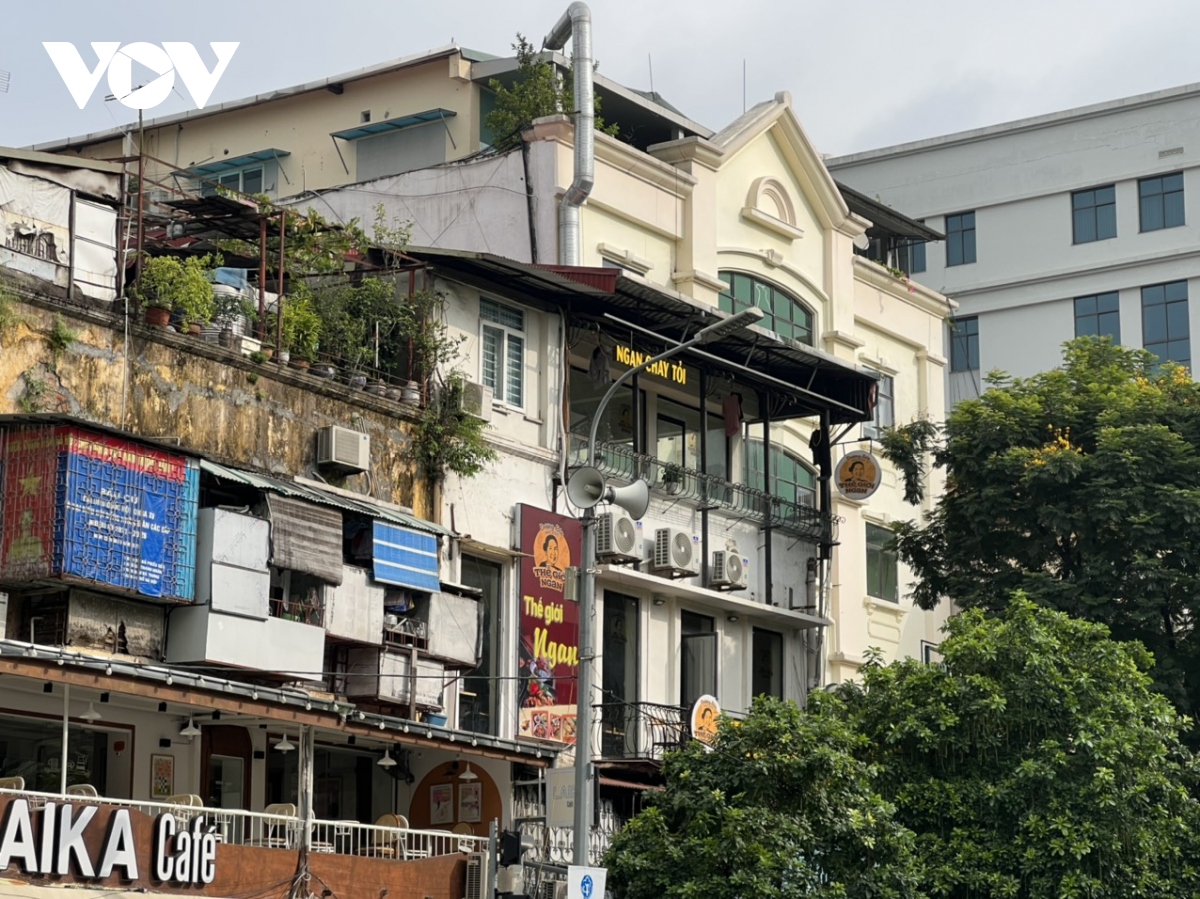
{"x": 672, "y": 478}
{"x": 231, "y": 313}
{"x": 170, "y": 284}
{"x": 301, "y": 328}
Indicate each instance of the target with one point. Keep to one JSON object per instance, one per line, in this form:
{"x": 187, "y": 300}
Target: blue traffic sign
{"x": 586, "y": 886}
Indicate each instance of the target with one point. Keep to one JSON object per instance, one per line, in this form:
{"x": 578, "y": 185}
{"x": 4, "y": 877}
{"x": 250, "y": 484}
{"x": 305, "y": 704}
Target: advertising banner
{"x": 99, "y": 508}
{"x": 549, "y": 625}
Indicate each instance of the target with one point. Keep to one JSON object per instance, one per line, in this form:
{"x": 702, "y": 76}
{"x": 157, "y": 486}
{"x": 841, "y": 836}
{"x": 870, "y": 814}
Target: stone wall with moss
{"x": 56, "y": 358}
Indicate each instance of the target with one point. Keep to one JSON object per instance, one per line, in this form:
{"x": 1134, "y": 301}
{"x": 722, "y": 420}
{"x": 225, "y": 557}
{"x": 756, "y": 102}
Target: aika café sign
{"x": 54, "y": 839}
{"x": 549, "y": 625}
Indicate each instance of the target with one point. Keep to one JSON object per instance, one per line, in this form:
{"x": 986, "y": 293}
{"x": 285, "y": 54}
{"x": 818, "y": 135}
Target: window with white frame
{"x": 885, "y": 408}
{"x": 883, "y": 565}
{"x": 248, "y": 180}
{"x": 502, "y": 360}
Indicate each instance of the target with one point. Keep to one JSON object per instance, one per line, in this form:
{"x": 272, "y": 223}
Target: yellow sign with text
{"x": 676, "y": 372}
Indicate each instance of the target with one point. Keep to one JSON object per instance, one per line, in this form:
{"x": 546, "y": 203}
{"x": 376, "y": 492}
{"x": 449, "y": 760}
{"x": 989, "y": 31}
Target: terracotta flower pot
{"x": 301, "y": 364}
{"x": 157, "y": 316}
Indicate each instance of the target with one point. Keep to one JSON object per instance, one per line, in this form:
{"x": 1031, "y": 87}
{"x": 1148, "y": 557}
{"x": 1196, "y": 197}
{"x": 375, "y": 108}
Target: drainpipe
{"x": 576, "y": 24}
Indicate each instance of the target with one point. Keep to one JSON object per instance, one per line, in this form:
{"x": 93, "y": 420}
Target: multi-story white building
{"x": 1079, "y": 222}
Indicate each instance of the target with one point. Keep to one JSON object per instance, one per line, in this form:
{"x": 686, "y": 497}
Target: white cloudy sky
{"x": 863, "y": 73}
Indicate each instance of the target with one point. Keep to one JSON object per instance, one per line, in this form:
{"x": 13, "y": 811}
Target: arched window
{"x": 785, "y": 315}
{"x": 791, "y": 479}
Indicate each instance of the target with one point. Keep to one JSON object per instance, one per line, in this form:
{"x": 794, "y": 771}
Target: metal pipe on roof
{"x": 576, "y": 24}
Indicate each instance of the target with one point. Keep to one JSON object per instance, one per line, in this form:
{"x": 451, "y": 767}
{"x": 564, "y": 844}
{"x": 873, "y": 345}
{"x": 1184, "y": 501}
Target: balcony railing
{"x": 665, "y": 479}
{"x": 273, "y": 831}
{"x": 640, "y": 730}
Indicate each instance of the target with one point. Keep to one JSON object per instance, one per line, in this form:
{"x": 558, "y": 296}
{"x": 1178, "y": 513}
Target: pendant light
{"x": 91, "y": 714}
{"x": 468, "y": 774}
{"x": 387, "y": 761}
{"x": 285, "y": 745}
{"x": 190, "y": 729}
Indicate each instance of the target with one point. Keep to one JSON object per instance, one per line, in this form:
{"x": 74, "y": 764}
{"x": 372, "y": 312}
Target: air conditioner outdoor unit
{"x": 477, "y": 401}
{"x": 478, "y": 876}
{"x": 727, "y": 570}
{"x": 343, "y": 449}
{"x": 674, "y": 553}
{"x": 617, "y": 536}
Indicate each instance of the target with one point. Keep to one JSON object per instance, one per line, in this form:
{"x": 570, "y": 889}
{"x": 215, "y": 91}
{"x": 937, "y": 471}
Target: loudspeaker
{"x": 634, "y": 499}
{"x": 585, "y": 487}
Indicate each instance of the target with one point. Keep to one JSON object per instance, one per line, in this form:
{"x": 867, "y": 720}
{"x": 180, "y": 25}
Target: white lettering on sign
{"x": 181, "y": 856}
{"x": 165, "y": 61}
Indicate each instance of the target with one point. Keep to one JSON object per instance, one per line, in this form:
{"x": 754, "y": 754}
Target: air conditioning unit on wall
{"x": 675, "y": 553}
{"x": 727, "y": 570}
{"x": 477, "y": 401}
{"x": 342, "y": 449}
{"x": 617, "y": 536}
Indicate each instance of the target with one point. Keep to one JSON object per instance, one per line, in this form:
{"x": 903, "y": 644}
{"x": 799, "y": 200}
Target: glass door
{"x": 698, "y": 658}
{"x": 226, "y": 779}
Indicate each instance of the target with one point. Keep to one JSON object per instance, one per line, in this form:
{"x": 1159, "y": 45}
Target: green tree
{"x": 1079, "y": 487}
{"x": 1037, "y": 762}
{"x": 780, "y": 808}
{"x": 538, "y": 91}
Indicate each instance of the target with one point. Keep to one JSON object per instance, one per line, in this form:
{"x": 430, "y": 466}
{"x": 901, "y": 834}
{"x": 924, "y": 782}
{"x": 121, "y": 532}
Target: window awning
{"x": 236, "y": 162}
{"x": 365, "y": 506}
{"x": 407, "y": 121}
{"x": 306, "y": 537}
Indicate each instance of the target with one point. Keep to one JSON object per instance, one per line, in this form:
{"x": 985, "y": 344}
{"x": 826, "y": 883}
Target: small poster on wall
{"x": 162, "y": 776}
{"x": 441, "y": 804}
{"x": 470, "y": 803}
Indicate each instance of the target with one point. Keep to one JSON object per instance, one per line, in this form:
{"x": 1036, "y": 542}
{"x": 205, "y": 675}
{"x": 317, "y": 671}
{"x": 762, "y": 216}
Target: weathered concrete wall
{"x": 211, "y": 400}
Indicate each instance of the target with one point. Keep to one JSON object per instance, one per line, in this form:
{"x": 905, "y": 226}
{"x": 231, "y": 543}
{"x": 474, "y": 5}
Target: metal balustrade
{"x": 639, "y": 730}
{"x": 619, "y": 461}
{"x": 272, "y": 831}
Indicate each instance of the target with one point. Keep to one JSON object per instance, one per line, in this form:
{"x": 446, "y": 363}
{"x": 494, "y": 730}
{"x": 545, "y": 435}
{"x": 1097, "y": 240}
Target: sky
{"x": 862, "y": 73}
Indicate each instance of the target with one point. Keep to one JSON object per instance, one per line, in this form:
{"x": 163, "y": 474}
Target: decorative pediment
{"x": 770, "y": 206}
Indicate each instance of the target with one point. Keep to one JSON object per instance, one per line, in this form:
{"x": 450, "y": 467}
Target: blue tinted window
{"x": 1098, "y": 316}
{"x": 1094, "y": 214}
{"x": 917, "y": 258}
{"x": 964, "y": 344}
{"x": 1165, "y": 328}
{"x": 960, "y": 238}
{"x": 1160, "y": 202}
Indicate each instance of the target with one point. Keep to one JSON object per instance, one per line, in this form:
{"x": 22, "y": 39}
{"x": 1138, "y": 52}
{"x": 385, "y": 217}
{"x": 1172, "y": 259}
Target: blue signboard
{"x": 405, "y": 557}
{"x": 127, "y": 516}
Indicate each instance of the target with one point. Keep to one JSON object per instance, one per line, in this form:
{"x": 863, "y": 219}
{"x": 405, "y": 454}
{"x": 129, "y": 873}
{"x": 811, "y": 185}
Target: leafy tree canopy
{"x": 1079, "y": 487}
{"x": 1036, "y": 763}
{"x": 537, "y": 92}
{"x": 780, "y": 808}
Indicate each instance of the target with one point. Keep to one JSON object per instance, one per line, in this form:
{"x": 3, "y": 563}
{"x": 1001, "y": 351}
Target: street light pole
{"x": 587, "y": 585}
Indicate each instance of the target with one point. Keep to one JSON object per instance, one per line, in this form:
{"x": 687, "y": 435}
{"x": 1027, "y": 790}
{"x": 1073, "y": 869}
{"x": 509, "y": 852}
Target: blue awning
{"x": 237, "y": 162}
{"x": 407, "y": 121}
{"x": 405, "y": 557}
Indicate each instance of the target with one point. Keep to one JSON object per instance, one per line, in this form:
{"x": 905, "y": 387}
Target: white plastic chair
{"x": 385, "y": 844}
{"x": 12, "y": 783}
{"x": 272, "y": 829}
{"x": 83, "y": 790}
